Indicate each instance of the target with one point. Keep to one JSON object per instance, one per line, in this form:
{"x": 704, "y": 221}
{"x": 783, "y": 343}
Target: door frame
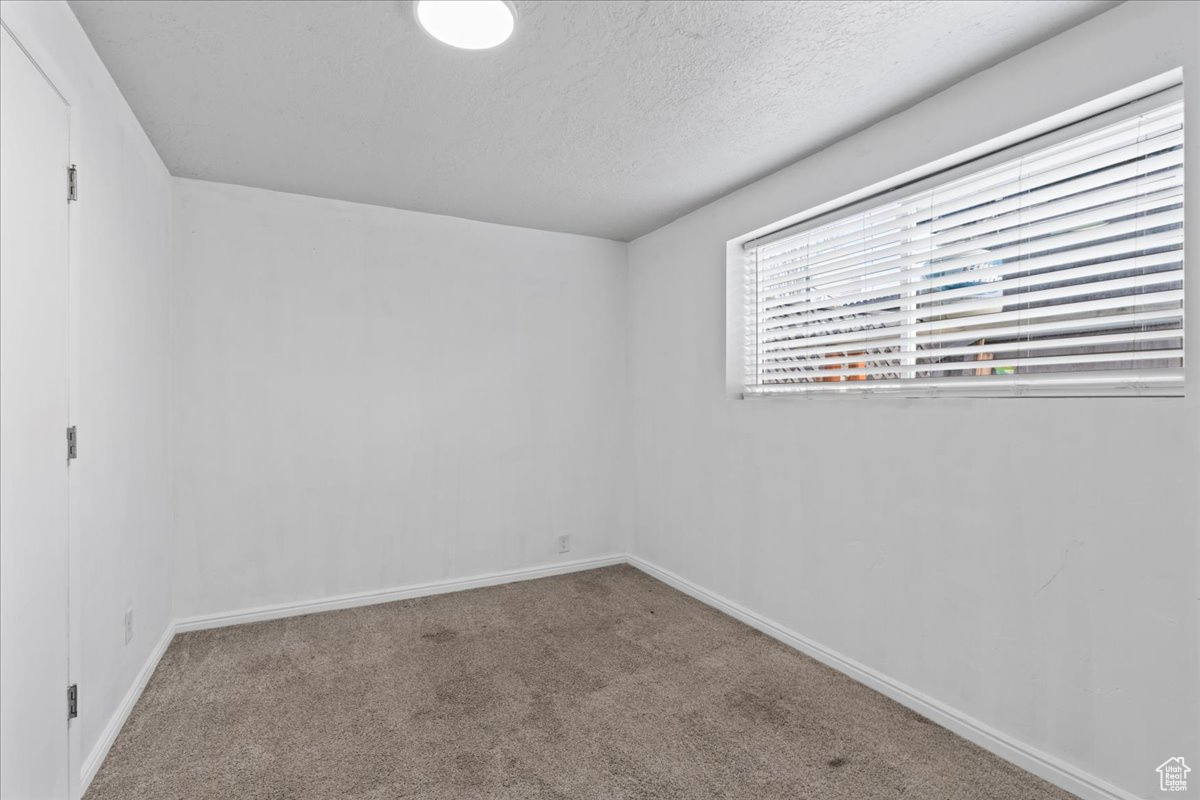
{"x": 38, "y": 54}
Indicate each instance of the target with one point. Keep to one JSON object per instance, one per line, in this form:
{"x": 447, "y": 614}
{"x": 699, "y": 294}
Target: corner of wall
{"x": 630, "y": 499}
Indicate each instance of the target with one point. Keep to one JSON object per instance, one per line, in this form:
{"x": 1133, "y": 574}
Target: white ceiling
{"x": 605, "y": 118}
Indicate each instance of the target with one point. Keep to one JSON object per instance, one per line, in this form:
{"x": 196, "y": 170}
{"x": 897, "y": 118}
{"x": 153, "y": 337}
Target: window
{"x": 1055, "y": 267}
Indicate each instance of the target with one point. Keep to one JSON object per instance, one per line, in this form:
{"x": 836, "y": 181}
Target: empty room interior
{"x": 599, "y": 399}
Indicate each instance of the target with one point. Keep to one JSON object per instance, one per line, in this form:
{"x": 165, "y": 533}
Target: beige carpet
{"x": 601, "y": 684}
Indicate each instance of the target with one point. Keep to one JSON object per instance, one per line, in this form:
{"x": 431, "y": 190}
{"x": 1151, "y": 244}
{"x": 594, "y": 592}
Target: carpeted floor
{"x": 601, "y": 684}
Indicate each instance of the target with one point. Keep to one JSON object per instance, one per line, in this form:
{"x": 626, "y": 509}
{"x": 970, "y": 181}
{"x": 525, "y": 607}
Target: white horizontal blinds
{"x": 1061, "y": 268}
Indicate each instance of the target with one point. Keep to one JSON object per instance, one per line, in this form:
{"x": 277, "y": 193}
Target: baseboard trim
{"x": 282, "y": 610}
{"x": 1052, "y": 769}
{"x": 1045, "y": 766}
{"x": 95, "y": 758}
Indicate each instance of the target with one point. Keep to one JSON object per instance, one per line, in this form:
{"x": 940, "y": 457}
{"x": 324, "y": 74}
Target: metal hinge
{"x": 73, "y": 701}
{"x": 72, "y": 444}
{"x": 72, "y": 183}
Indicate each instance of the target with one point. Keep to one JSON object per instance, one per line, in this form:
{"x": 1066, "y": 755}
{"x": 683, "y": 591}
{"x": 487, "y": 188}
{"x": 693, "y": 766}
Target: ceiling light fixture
{"x": 468, "y": 24}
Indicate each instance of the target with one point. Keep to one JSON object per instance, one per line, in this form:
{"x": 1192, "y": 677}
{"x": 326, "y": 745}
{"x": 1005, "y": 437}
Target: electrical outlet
{"x": 128, "y": 625}
{"x": 564, "y": 544}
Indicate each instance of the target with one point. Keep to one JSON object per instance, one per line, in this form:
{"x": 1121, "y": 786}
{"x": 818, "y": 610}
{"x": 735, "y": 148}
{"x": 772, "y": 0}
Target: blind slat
{"x": 875, "y": 354}
{"x": 879, "y": 234}
{"x": 1115, "y": 259}
{"x": 1136, "y": 380}
{"x": 966, "y": 304}
{"x": 985, "y": 282}
{"x": 967, "y": 326}
{"x": 781, "y": 373}
{"x": 1002, "y": 330}
{"x": 1070, "y": 230}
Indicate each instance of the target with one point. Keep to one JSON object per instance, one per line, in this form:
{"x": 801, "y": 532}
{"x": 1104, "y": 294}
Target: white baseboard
{"x": 1052, "y": 769}
{"x": 95, "y": 758}
{"x": 389, "y": 595}
{"x": 1048, "y": 767}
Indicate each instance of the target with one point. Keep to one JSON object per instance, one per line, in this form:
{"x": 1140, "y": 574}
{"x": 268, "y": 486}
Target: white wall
{"x": 120, "y": 397}
{"x": 371, "y": 398}
{"x": 1031, "y": 563}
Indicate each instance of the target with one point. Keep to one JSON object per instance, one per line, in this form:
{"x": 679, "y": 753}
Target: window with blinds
{"x": 1052, "y": 268}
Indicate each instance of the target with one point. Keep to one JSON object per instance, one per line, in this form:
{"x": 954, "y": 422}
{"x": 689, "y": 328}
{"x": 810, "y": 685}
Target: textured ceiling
{"x": 605, "y": 118}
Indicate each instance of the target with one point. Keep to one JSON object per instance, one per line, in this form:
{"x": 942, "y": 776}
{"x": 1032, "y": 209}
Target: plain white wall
{"x": 1031, "y": 563}
{"x": 120, "y": 394}
{"x": 371, "y": 398}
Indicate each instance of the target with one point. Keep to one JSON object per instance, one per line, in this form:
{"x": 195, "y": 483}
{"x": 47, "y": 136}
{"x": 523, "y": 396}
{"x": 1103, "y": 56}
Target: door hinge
{"x": 72, "y": 183}
{"x": 72, "y": 444}
{"x": 73, "y": 701}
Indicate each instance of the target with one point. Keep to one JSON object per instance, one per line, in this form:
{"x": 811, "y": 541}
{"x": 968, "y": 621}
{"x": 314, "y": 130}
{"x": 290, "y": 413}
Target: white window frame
{"x": 1070, "y": 124}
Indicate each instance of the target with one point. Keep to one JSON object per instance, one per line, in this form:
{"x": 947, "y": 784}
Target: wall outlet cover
{"x": 564, "y": 544}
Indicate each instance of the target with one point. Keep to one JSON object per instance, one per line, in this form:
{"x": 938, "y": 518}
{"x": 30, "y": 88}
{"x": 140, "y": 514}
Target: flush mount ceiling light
{"x": 469, "y": 24}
